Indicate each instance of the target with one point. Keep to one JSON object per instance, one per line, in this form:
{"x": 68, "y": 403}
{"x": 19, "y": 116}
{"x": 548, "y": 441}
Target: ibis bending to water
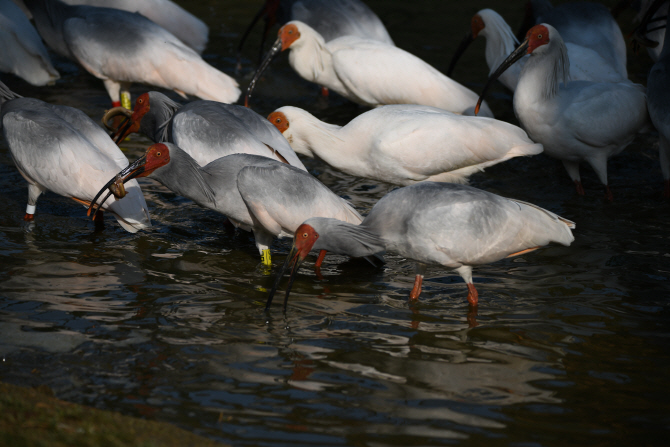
{"x": 121, "y": 47}
{"x": 367, "y": 71}
{"x": 405, "y": 144}
{"x": 23, "y": 53}
{"x": 330, "y": 18}
{"x": 256, "y": 193}
{"x": 585, "y": 63}
{"x": 207, "y": 130}
{"x": 575, "y": 121}
{"x": 59, "y": 148}
{"x": 455, "y": 226}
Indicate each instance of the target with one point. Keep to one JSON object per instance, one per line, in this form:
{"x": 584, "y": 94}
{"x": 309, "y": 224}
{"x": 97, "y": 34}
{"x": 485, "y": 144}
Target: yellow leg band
{"x": 265, "y": 256}
{"x": 125, "y": 100}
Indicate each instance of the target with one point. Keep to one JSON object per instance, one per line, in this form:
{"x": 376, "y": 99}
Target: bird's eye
{"x": 539, "y": 36}
{"x": 140, "y": 101}
{"x": 158, "y": 154}
{"x": 278, "y": 120}
{"x": 305, "y": 235}
{"x": 290, "y": 31}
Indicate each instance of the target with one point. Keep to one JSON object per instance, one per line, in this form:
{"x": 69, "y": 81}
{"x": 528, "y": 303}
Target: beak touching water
{"x": 517, "y": 54}
{"x": 305, "y": 237}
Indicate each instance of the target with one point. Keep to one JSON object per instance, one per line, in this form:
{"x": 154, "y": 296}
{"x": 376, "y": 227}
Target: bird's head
{"x": 279, "y": 120}
{"x": 156, "y": 156}
{"x": 288, "y": 34}
{"x": 477, "y": 25}
{"x": 133, "y": 120}
{"x": 303, "y": 241}
{"x": 536, "y": 37}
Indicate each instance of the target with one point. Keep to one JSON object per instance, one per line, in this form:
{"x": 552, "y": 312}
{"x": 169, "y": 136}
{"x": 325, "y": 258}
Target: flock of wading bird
{"x": 425, "y": 132}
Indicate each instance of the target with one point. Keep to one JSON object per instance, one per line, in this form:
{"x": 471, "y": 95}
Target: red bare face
{"x": 305, "y": 237}
{"x": 157, "y": 155}
{"x": 288, "y": 34}
{"x": 477, "y": 25}
{"x": 278, "y": 119}
{"x": 536, "y": 37}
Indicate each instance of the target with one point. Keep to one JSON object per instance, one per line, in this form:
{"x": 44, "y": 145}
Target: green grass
{"x": 32, "y": 417}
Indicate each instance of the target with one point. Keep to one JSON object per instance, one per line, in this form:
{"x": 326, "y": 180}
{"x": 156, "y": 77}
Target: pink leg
{"x": 416, "y": 291}
{"x": 473, "y": 296}
{"x": 580, "y": 188}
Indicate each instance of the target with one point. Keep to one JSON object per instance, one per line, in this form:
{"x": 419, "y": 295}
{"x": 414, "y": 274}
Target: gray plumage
{"x": 256, "y": 193}
{"x": 209, "y": 130}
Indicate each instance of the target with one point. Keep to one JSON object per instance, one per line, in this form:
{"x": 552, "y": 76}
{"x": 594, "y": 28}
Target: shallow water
{"x": 569, "y": 346}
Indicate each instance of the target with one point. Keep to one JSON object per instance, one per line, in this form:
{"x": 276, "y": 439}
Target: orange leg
{"x": 29, "y": 217}
{"x": 580, "y": 188}
{"x": 319, "y": 260}
{"x": 473, "y": 296}
{"x": 472, "y": 316}
{"x": 324, "y": 92}
{"x": 416, "y": 291}
{"x": 608, "y": 194}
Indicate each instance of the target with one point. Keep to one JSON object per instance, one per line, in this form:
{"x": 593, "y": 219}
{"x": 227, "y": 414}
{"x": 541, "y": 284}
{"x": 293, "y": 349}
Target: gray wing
{"x": 282, "y": 197}
{"x": 209, "y": 130}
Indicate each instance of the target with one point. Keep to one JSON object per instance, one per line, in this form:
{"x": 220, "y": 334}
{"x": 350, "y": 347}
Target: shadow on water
{"x": 568, "y": 346}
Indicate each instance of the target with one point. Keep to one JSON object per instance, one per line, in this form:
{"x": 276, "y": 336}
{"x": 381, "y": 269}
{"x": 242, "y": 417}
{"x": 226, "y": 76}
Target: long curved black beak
{"x": 293, "y": 257}
{"x": 129, "y": 173}
{"x": 276, "y": 49}
{"x": 517, "y": 54}
{"x": 465, "y": 43}
{"x": 256, "y": 18}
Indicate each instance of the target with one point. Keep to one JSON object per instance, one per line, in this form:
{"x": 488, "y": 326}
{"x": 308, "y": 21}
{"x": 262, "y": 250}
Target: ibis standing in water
{"x": 255, "y": 193}
{"x": 207, "y": 130}
{"x": 59, "y": 148}
{"x": 585, "y": 63}
{"x": 405, "y": 144}
{"x": 121, "y": 47}
{"x": 23, "y": 53}
{"x": 330, "y": 18}
{"x": 574, "y": 121}
{"x": 368, "y": 72}
{"x": 455, "y": 226}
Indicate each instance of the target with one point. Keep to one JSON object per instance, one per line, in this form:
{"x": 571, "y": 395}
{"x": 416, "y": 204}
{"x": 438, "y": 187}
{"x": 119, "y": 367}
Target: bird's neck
{"x": 542, "y": 76}
{"x": 157, "y": 123}
{"x": 312, "y": 137}
{"x": 184, "y": 176}
{"x": 348, "y": 239}
{"x": 500, "y": 41}
{"x": 310, "y": 57}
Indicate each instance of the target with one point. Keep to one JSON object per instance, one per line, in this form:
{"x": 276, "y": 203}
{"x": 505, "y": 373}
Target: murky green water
{"x": 569, "y": 347}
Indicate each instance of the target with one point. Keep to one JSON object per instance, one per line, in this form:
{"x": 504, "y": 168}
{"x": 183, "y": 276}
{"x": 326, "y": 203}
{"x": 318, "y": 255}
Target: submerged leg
{"x": 418, "y": 281}
{"x": 466, "y": 273}
{"x": 34, "y": 192}
{"x": 573, "y": 171}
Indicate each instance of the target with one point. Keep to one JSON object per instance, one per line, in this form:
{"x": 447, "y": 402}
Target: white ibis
{"x": 256, "y": 193}
{"x": 23, "y": 53}
{"x": 120, "y": 47}
{"x": 405, "y": 144}
{"x": 166, "y": 13}
{"x": 59, "y": 148}
{"x": 330, "y": 18}
{"x": 585, "y": 63}
{"x": 587, "y": 24}
{"x": 207, "y": 130}
{"x": 575, "y": 121}
{"x": 367, "y": 71}
{"x": 658, "y": 101}
{"x": 455, "y": 226}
